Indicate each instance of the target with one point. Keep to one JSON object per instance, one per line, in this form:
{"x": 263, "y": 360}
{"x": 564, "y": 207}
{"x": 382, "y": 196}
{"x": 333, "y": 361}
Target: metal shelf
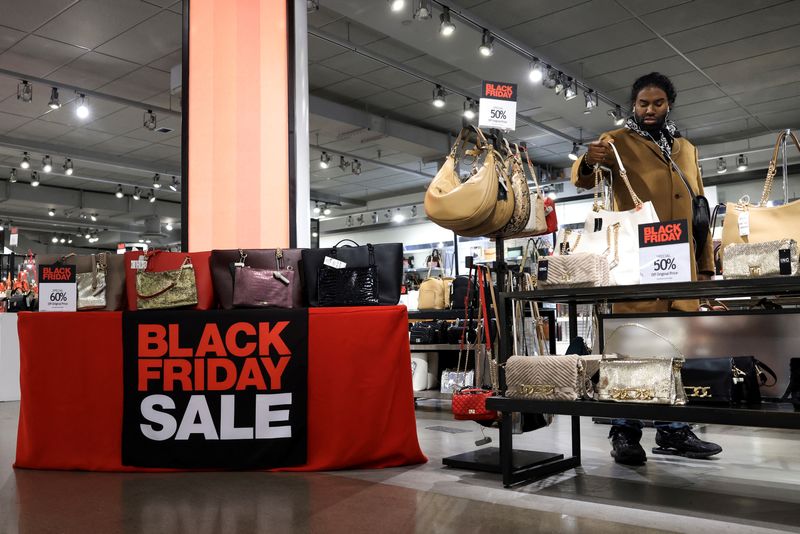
{"x": 437, "y": 346}
{"x": 432, "y": 394}
{"x": 436, "y": 314}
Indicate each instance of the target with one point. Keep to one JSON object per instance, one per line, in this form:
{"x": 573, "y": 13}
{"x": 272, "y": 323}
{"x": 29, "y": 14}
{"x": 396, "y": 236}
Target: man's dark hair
{"x": 654, "y": 79}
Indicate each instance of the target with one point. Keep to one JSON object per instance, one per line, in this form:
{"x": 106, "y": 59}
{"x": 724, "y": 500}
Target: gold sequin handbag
{"x": 92, "y": 285}
{"x": 565, "y": 378}
{"x": 753, "y": 260}
{"x": 166, "y": 289}
{"x": 641, "y": 380}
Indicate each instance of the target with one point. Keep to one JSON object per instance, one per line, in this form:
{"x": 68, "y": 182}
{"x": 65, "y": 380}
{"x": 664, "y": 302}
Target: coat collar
{"x": 676, "y": 146}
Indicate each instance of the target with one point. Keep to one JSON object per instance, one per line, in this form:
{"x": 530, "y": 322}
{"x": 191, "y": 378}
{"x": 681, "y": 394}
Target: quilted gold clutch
{"x": 752, "y": 260}
{"x": 575, "y": 270}
{"x": 166, "y": 289}
{"x": 551, "y": 377}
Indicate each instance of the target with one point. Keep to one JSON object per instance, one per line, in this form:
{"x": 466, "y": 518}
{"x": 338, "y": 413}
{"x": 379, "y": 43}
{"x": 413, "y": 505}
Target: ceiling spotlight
{"x": 397, "y": 5}
{"x": 136, "y": 194}
{"x": 326, "y": 211}
{"x": 574, "y": 154}
{"x": 551, "y": 79}
{"x": 312, "y": 5}
{"x": 169, "y": 227}
{"x": 54, "y": 240}
{"x": 147, "y": 241}
{"x": 93, "y": 217}
{"x": 446, "y": 26}
{"x": 398, "y": 217}
{"x": 12, "y": 177}
{"x": 360, "y": 219}
{"x": 356, "y": 167}
{"x": 536, "y": 74}
{"x": 314, "y": 234}
{"x": 34, "y": 179}
{"x": 54, "y": 102}
{"x": 69, "y": 240}
{"x": 87, "y": 235}
{"x": 47, "y": 164}
{"x": 82, "y": 110}
{"x": 26, "y": 161}
{"x": 316, "y": 209}
{"x": 561, "y": 83}
{"x": 590, "y": 97}
{"x": 343, "y": 164}
{"x": 470, "y": 109}
{"x": 487, "y": 44}
{"x": 423, "y": 11}
{"x": 174, "y": 185}
{"x": 51, "y": 212}
{"x": 349, "y": 221}
{"x": 722, "y": 167}
{"x": 374, "y": 217}
{"x": 25, "y": 91}
{"x": 571, "y": 89}
{"x": 152, "y": 197}
{"x": 119, "y": 193}
{"x": 413, "y": 211}
{"x": 438, "y": 96}
{"x": 149, "y": 120}
{"x": 324, "y": 160}
{"x": 156, "y": 181}
{"x": 68, "y": 167}
{"x": 741, "y": 163}
{"x": 617, "y": 116}
{"x": 62, "y": 240}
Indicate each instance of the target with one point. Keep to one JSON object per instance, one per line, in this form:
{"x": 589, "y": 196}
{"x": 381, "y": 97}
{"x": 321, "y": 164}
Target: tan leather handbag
{"x": 762, "y": 223}
{"x": 503, "y": 208}
{"x": 431, "y": 294}
{"x": 459, "y": 206}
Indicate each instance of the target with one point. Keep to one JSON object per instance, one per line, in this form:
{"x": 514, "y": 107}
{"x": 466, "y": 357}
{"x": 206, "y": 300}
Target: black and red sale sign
{"x": 215, "y": 389}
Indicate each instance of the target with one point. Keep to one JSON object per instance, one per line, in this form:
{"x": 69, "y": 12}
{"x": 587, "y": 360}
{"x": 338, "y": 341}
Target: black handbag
{"x": 387, "y": 260}
{"x": 701, "y": 216}
{"x": 458, "y": 292}
{"x": 754, "y": 374}
{"x": 726, "y": 380}
{"x": 455, "y": 331}
{"x": 429, "y": 332}
{"x": 348, "y": 286}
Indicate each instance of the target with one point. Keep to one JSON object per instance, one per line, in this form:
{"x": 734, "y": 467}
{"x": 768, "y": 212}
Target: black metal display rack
{"x": 770, "y": 415}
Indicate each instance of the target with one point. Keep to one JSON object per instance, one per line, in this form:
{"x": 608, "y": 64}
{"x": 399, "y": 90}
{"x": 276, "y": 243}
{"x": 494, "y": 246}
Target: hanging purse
{"x": 349, "y": 286}
{"x": 522, "y": 195}
{"x": 460, "y": 206}
{"x": 92, "y": 285}
{"x": 537, "y": 221}
{"x": 759, "y": 223}
{"x": 641, "y": 380}
{"x": 453, "y": 381}
{"x": 503, "y": 208}
{"x": 166, "y": 289}
{"x": 755, "y": 260}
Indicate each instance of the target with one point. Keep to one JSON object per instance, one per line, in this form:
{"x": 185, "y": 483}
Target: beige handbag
{"x": 503, "y": 209}
{"x": 753, "y": 260}
{"x": 92, "y": 285}
{"x": 763, "y": 223}
{"x": 537, "y": 222}
{"x": 522, "y": 195}
{"x": 460, "y": 206}
{"x": 551, "y": 377}
{"x": 641, "y": 380}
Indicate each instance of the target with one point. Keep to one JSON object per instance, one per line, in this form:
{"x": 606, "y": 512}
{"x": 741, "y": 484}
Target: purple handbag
{"x": 262, "y": 288}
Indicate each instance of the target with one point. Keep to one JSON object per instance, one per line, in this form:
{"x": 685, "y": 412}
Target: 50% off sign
{"x": 664, "y": 252}
{"x": 498, "y": 106}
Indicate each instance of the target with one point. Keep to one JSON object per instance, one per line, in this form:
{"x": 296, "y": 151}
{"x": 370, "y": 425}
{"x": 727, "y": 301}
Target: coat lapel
{"x": 649, "y": 144}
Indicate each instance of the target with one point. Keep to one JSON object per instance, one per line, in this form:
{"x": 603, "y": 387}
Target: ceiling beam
{"x": 375, "y": 162}
{"x": 335, "y": 200}
{"x": 89, "y": 92}
{"x": 120, "y": 162}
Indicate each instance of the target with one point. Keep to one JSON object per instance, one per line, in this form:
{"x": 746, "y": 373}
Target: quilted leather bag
{"x": 551, "y": 377}
{"x": 766, "y": 223}
{"x": 755, "y": 260}
{"x": 461, "y": 206}
{"x": 281, "y": 259}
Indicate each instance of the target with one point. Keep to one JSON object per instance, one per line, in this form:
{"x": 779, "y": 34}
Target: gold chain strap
{"x": 614, "y": 228}
{"x": 772, "y": 170}
{"x": 624, "y": 174}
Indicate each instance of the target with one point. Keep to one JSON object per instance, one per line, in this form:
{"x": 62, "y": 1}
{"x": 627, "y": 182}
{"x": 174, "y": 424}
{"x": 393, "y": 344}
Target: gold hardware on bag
{"x": 537, "y": 389}
{"x": 755, "y": 270}
{"x": 738, "y": 375}
{"x": 620, "y": 394}
{"x": 697, "y": 391}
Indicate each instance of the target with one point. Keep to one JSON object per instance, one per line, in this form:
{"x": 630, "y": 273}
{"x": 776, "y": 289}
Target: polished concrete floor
{"x": 753, "y": 486}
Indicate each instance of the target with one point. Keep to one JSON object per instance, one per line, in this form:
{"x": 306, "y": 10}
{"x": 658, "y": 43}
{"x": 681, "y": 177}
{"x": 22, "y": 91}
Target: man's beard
{"x": 652, "y": 128}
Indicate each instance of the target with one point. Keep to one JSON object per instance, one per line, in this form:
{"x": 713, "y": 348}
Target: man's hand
{"x": 598, "y": 152}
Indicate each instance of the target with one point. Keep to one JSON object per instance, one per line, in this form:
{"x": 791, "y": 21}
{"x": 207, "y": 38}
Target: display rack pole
{"x": 785, "y": 168}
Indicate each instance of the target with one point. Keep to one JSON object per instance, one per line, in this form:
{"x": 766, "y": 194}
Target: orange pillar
{"x": 238, "y": 124}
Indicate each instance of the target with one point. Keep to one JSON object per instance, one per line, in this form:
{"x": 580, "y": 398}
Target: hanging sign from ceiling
{"x": 498, "y": 106}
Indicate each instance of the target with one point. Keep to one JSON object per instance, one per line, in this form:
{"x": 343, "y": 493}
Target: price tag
{"x": 498, "y": 106}
{"x": 664, "y": 252}
{"x": 333, "y": 262}
{"x": 57, "y": 288}
{"x": 138, "y": 264}
{"x": 744, "y": 224}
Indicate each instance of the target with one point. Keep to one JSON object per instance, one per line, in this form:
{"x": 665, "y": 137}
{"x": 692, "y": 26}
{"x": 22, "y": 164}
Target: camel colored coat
{"x": 653, "y": 178}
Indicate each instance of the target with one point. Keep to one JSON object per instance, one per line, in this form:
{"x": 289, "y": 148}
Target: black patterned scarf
{"x": 664, "y": 137}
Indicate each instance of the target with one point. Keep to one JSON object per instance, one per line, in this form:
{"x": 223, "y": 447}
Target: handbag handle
{"x": 598, "y": 179}
{"x": 533, "y": 173}
{"x": 186, "y": 261}
{"x": 370, "y": 248}
{"x": 773, "y": 166}
{"x": 346, "y": 241}
{"x": 624, "y": 174}
{"x": 637, "y": 325}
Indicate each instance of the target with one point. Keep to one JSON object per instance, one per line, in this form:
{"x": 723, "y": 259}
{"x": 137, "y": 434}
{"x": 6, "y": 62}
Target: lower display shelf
{"x": 767, "y": 414}
{"x": 435, "y": 346}
{"x": 432, "y": 394}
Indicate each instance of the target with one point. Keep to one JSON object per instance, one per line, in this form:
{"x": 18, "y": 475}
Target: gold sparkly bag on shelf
{"x": 166, "y": 289}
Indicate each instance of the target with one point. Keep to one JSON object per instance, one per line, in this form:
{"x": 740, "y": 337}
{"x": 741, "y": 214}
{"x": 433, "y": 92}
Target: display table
{"x": 9, "y": 357}
{"x": 360, "y": 401}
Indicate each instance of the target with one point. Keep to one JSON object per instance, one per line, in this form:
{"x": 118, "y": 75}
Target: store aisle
{"x": 753, "y": 487}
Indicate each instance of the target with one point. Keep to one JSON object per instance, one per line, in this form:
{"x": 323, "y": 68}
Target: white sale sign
{"x": 664, "y": 252}
{"x": 498, "y": 106}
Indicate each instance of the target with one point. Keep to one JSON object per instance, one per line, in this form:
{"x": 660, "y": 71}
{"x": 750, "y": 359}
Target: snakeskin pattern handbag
{"x": 349, "y": 286}
{"x": 753, "y": 260}
{"x": 166, "y": 289}
{"x": 565, "y": 378}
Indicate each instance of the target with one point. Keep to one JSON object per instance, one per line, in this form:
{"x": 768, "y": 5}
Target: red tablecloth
{"x": 360, "y": 400}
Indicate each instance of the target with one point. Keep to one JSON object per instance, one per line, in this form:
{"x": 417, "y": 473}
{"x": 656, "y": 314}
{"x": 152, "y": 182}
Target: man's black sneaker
{"x": 683, "y": 442}
{"x": 625, "y": 445}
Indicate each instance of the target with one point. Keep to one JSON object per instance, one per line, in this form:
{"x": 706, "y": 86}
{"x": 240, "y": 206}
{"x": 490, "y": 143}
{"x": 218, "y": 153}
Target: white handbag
{"x": 627, "y": 271}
